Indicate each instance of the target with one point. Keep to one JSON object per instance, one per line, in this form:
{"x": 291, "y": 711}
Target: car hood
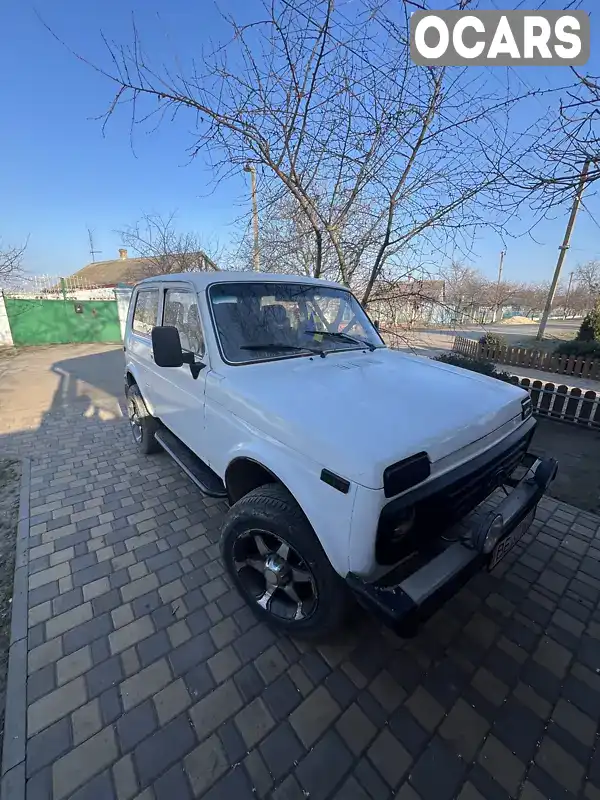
{"x": 358, "y": 412}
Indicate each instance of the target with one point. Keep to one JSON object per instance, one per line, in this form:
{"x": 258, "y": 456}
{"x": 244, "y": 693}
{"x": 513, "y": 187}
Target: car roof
{"x": 203, "y": 279}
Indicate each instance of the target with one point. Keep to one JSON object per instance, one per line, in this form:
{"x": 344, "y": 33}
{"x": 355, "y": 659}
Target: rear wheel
{"x": 279, "y": 566}
{"x": 143, "y": 425}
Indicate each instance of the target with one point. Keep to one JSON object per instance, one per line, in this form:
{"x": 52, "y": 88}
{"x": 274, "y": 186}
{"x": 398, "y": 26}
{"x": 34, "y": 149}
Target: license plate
{"x": 505, "y": 545}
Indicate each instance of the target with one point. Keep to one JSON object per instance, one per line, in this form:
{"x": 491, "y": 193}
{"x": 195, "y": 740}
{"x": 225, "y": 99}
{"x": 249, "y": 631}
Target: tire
{"x": 143, "y": 434}
{"x": 272, "y": 512}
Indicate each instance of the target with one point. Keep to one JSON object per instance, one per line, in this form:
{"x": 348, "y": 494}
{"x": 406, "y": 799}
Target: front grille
{"x": 441, "y": 509}
{"x": 462, "y": 496}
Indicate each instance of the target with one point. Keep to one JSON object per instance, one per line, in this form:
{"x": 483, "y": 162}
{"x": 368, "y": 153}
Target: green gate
{"x": 62, "y": 321}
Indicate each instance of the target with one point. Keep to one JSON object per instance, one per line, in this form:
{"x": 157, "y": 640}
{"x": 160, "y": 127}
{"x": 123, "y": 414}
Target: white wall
{"x": 5, "y": 334}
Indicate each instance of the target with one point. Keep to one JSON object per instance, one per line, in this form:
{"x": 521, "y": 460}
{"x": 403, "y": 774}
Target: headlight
{"x": 403, "y": 523}
{"x": 492, "y": 536}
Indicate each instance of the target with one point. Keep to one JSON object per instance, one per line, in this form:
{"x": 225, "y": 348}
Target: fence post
{"x": 5, "y": 332}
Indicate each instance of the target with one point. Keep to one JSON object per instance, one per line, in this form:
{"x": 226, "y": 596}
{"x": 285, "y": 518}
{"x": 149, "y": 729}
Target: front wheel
{"x": 143, "y": 425}
{"x": 279, "y": 566}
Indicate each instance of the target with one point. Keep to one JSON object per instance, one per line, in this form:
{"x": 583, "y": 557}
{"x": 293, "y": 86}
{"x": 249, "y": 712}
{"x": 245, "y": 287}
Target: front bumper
{"x": 419, "y": 594}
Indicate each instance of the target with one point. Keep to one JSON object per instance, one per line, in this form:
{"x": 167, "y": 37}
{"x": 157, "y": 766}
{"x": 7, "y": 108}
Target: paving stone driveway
{"x": 147, "y": 676}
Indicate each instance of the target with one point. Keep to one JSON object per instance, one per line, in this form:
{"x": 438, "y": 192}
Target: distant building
{"x": 127, "y": 271}
{"x": 407, "y": 302}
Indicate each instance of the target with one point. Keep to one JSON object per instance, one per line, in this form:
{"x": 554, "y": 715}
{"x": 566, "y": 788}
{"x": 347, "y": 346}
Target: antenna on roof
{"x": 93, "y": 252}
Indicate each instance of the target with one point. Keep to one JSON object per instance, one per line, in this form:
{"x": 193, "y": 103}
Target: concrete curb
{"x": 12, "y": 786}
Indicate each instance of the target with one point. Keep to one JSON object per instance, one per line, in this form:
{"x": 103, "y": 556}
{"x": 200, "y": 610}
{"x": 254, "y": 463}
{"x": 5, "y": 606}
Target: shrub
{"x": 579, "y": 348}
{"x": 480, "y": 365}
{"x": 590, "y": 327}
{"x": 493, "y": 340}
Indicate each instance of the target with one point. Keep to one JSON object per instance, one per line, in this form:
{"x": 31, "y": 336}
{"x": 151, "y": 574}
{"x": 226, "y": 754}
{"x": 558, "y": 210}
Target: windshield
{"x": 259, "y": 321}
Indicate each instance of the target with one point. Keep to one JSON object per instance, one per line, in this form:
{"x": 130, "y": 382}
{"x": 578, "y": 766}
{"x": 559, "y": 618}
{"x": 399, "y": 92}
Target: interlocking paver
{"x": 48, "y": 575}
{"x": 559, "y": 764}
{"x": 178, "y": 668}
{"x": 502, "y": 764}
{"x": 171, "y": 701}
{"x": 281, "y": 749}
{"x": 215, "y": 708}
{"x": 314, "y": 715}
{"x": 324, "y": 766}
{"x": 425, "y": 708}
{"x": 130, "y": 634}
{"x": 73, "y": 665}
{"x": 54, "y": 705}
{"x": 46, "y": 747}
{"x": 136, "y": 725}
{"x": 438, "y": 773}
{"x": 83, "y": 762}
{"x": 145, "y": 683}
{"x": 166, "y": 747}
{"x": 86, "y": 721}
{"x": 205, "y": 764}
{"x": 124, "y": 778}
{"x": 356, "y": 729}
{"x": 43, "y": 654}
{"x": 464, "y": 729}
{"x": 62, "y": 623}
{"x": 254, "y": 722}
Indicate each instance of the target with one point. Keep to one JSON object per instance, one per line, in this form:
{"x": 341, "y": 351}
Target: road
{"x": 555, "y": 329}
{"x": 431, "y": 341}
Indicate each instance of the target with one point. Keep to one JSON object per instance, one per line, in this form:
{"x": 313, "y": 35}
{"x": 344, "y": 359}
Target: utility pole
{"x": 256, "y": 250}
{"x": 567, "y": 298}
{"x": 500, "y": 268}
{"x": 93, "y": 252}
{"x": 563, "y": 249}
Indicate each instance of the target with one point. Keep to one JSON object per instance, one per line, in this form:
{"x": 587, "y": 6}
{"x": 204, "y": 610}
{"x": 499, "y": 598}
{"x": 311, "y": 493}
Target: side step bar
{"x": 196, "y": 470}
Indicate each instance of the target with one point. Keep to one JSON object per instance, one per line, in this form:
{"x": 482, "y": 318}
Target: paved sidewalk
{"x": 147, "y": 677}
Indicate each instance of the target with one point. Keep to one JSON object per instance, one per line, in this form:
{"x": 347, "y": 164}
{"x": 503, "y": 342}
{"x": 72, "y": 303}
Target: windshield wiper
{"x": 284, "y": 347}
{"x": 345, "y": 336}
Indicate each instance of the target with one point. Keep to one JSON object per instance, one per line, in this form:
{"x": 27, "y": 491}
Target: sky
{"x": 60, "y": 174}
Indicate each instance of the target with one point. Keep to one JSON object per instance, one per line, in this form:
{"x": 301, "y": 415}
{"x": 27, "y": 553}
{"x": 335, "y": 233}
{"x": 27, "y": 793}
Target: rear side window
{"x": 181, "y": 310}
{"x": 146, "y": 311}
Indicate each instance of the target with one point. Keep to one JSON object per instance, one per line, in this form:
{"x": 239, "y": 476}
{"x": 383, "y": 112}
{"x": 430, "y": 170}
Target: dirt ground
{"x": 9, "y": 508}
{"x": 577, "y": 450}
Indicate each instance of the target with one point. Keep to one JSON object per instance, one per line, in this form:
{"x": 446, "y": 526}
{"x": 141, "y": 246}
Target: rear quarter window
{"x": 145, "y": 312}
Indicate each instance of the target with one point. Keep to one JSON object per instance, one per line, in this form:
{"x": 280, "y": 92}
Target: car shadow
{"x": 103, "y": 371}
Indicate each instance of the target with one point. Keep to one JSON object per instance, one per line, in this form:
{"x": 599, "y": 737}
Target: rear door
{"x": 144, "y": 316}
{"x": 180, "y": 395}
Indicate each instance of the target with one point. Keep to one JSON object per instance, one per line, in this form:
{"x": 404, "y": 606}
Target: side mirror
{"x": 166, "y": 346}
{"x": 376, "y": 324}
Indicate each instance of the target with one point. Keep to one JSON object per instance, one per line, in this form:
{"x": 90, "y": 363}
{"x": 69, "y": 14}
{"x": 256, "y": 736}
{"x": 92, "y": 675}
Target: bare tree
{"x": 165, "y": 249}
{"x": 465, "y": 292}
{"x": 374, "y": 153}
{"x": 532, "y": 298}
{"x": 549, "y": 173}
{"x": 11, "y": 263}
{"x": 502, "y": 294}
{"x": 588, "y": 276}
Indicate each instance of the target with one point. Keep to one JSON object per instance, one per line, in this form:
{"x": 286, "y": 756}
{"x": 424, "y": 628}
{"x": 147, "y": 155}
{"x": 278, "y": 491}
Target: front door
{"x": 180, "y": 396}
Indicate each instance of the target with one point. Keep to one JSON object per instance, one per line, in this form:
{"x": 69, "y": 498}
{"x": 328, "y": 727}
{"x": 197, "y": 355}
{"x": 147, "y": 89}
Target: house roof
{"x": 131, "y": 270}
{"x": 111, "y": 273}
{"x": 201, "y": 279}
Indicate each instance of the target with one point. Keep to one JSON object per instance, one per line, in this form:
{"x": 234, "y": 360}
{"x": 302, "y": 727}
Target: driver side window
{"x": 181, "y": 311}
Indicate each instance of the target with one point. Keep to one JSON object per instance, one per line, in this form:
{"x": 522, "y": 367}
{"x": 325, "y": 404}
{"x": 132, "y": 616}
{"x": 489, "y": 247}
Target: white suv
{"x": 347, "y": 466}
